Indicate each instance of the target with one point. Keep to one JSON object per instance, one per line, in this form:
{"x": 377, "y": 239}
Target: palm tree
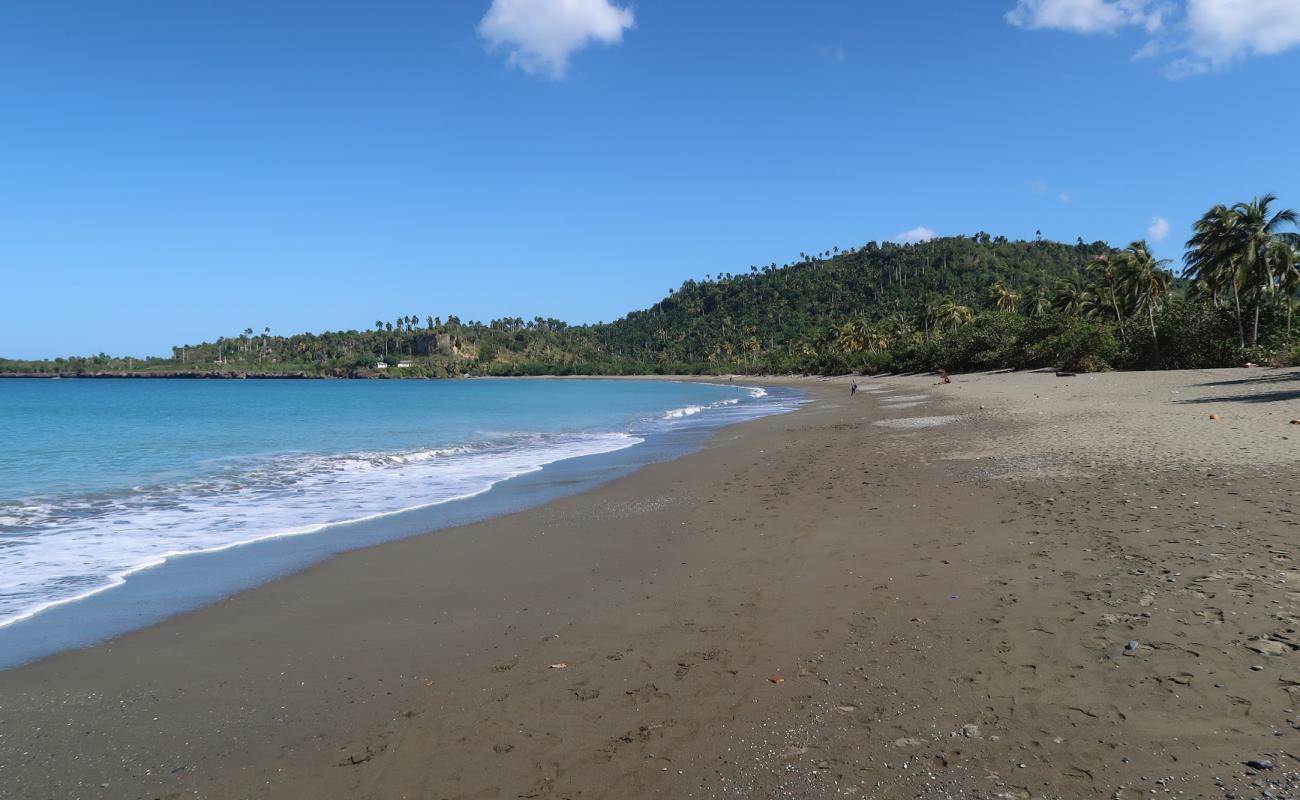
{"x": 1147, "y": 282}
{"x": 1211, "y": 258}
{"x": 929, "y": 315}
{"x": 1245, "y": 248}
{"x": 876, "y": 340}
{"x": 953, "y": 313}
{"x": 849, "y": 337}
{"x": 1260, "y": 245}
{"x": 1106, "y": 273}
{"x": 1003, "y": 298}
{"x": 1289, "y": 281}
{"x": 1073, "y": 297}
{"x": 1037, "y": 303}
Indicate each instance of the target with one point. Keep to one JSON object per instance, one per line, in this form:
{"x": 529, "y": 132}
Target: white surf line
{"x": 908, "y": 423}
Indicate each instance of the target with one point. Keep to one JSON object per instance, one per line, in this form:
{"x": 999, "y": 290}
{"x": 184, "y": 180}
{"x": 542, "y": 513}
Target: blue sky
{"x": 171, "y": 171}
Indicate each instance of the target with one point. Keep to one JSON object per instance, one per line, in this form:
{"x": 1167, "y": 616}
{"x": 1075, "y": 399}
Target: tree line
{"x": 961, "y": 302}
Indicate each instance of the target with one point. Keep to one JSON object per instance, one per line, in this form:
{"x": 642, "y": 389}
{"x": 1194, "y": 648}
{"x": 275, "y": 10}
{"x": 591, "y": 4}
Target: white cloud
{"x": 1198, "y": 36}
{"x": 915, "y": 235}
{"x": 1158, "y": 229}
{"x": 1065, "y": 197}
{"x": 1221, "y": 31}
{"x": 541, "y": 35}
{"x": 1083, "y": 16}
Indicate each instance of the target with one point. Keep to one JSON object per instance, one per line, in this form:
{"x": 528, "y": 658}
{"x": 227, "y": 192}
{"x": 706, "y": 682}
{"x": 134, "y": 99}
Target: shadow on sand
{"x": 1271, "y": 388}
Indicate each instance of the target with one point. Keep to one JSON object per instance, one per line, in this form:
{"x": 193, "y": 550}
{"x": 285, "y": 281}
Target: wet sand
{"x": 1085, "y": 588}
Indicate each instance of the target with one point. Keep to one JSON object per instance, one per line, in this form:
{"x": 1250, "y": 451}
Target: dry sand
{"x": 1086, "y": 588}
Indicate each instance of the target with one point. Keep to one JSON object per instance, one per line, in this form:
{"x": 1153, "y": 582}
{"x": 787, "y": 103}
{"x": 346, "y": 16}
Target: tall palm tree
{"x": 953, "y": 313}
{"x": 877, "y": 341}
{"x": 1244, "y": 248}
{"x": 1073, "y": 297}
{"x": 1003, "y": 298}
{"x": 1260, "y": 245}
{"x": 1212, "y": 258}
{"x": 1105, "y": 271}
{"x": 1289, "y": 281}
{"x": 929, "y": 316}
{"x": 1037, "y": 303}
{"x": 1146, "y": 281}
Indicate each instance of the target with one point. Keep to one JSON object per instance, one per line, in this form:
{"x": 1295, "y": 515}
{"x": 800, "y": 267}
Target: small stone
{"x": 970, "y": 731}
{"x": 1132, "y": 646}
{"x": 1259, "y": 764}
{"x": 1256, "y": 668}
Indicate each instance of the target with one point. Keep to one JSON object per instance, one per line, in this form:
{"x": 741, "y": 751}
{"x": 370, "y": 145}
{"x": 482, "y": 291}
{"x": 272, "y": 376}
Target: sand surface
{"x": 1024, "y": 586}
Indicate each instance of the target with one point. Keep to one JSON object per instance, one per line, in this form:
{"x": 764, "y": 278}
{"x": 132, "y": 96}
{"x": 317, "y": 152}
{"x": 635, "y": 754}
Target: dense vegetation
{"x": 963, "y": 302}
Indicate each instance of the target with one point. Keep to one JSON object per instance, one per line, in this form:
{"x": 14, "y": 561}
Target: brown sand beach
{"x": 1010, "y": 586}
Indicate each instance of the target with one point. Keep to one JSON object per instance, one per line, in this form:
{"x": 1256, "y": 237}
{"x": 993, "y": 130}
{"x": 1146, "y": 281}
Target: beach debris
{"x": 1295, "y": 422}
{"x": 776, "y": 679}
{"x": 559, "y": 665}
{"x": 1214, "y": 416}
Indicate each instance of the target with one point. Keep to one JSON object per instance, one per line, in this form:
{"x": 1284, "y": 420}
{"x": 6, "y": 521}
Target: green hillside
{"x": 964, "y": 302}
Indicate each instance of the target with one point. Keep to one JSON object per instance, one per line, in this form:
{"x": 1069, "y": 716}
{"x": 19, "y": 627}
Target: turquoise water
{"x": 101, "y": 479}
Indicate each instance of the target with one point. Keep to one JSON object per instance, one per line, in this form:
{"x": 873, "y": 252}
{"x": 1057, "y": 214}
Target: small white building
{"x": 382, "y": 365}
{"x": 405, "y": 364}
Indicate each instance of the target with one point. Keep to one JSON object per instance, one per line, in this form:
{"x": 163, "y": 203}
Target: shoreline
{"x": 832, "y": 602}
{"x": 177, "y": 582}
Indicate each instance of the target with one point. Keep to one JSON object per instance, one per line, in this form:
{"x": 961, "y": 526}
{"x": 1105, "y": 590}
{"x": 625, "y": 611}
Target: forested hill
{"x": 963, "y": 302}
{"x": 788, "y": 319}
{"x": 767, "y": 319}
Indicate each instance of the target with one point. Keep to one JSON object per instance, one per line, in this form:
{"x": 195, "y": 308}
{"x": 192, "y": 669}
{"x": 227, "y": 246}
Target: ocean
{"x": 103, "y": 482}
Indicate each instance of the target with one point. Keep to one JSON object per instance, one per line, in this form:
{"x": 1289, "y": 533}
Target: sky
{"x": 176, "y": 170}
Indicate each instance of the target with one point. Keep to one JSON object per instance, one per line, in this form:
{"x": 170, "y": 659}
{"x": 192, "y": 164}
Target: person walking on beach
{"x": 853, "y": 388}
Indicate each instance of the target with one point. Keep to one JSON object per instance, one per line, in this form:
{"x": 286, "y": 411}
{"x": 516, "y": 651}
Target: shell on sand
{"x": 916, "y": 422}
